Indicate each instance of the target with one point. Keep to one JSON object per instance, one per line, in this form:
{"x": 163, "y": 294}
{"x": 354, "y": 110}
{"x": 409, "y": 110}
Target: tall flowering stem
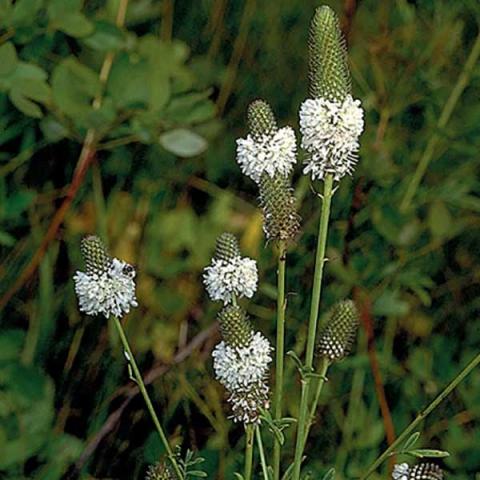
{"x": 313, "y": 321}
{"x": 107, "y": 288}
{"x": 267, "y": 155}
{"x": 250, "y": 430}
{"x": 280, "y": 351}
{"x": 141, "y": 386}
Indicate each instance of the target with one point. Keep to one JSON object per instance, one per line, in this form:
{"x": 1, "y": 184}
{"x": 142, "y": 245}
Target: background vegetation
{"x": 153, "y": 169}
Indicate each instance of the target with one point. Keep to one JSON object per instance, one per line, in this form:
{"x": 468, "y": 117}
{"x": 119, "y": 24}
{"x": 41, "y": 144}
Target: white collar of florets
{"x": 108, "y": 292}
{"x": 235, "y": 277}
{"x": 273, "y": 153}
{"x": 330, "y": 134}
{"x": 238, "y": 368}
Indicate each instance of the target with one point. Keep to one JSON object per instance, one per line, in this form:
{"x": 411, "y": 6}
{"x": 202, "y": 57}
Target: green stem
{"x": 422, "y": 415}
{"x": 148, "y": 402}
{"x": 313, "y": 410}
{"x": 462, "y": 82}
{"x": 312, "y": 324}
{"x": 281, "y": 307}
{"x": 247, "y": 475}
{"x": 262, "y": 453}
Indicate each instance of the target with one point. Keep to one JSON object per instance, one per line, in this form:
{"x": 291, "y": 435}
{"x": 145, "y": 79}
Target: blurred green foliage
{"x": 164, "y": 184}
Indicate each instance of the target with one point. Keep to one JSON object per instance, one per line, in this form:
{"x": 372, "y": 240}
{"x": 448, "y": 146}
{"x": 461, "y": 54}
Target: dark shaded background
{"x": 192, "y": 68}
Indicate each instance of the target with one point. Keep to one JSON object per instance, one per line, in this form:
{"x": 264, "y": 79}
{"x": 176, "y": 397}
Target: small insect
{"x": 129, "y": 270}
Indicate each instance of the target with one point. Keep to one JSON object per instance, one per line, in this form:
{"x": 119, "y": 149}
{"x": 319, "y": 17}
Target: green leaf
{"x": 330, "y": 475}
{"x": 428, "y": 453}
{"x": 73, "y": 87}
{"x": 66, "y": 16}
{"x": 74, "y": 24}
{"x": 128, "y": 80}
{"x": 183, "y": 143}
{"x": 8, "y": 59}
{"x": 25, "y": 105}
{"x": 411, "y": 441}
{"x": 106, "y": 37}
{"x": 24, "y": 12}
{"x": 157, "y": 54}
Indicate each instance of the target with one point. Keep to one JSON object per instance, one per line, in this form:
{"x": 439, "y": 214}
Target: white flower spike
{"x": 225, "y": 279}
{"x": 330, "y": 131}
{"x": 107, "y": 287}
{"x": 272, "y": 153}
{"x": 243, "y": 371}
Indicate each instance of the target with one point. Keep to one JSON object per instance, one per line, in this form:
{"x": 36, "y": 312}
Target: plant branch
{"x": 280, "y": 354}
{"x": 148, "y": 402}
{"x": 462, "y": 82}
{"x": 313, "y": 321}
{"x": 263, "y": 462}
{"x": 423, "y": 414}
{"x": 247, "y": 475}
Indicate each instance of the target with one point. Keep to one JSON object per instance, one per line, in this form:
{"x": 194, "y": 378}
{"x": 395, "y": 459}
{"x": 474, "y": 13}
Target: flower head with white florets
{"x": 107, "y": 286}
{"x": 229, "y": 275}
{"x": 271, "y": 153}
{"x": 330, "y": 132}
{"x": 331, "y": 121}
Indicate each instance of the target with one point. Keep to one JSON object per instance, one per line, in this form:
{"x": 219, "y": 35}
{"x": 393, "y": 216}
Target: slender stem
{"x": 281, "y": 307}
{"x": 262, "y": 452}
{"x": 248, "y": 452}
{"x": 148, "y": 402}
{"x": 423, "y": 414}
{"x": 313, "y": 410}
{"x": 312, "y": 325}
{"x": 462, "y": 82}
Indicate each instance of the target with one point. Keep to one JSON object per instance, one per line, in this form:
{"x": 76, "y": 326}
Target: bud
{"x": 227, "y": 247}
{"x": 97, "y": 260}
{"x": 328, "y": 64}
{"x": 426, "y": 471}
{"x": 235, "y": 327}
{"x": 160, "y": 471}
{"x": 280, "y": 218}
{"x": 339, "y": 333}
{"x": 260, "y": 119}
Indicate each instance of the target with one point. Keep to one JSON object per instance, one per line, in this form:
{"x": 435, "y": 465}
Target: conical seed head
{"x": 328, "y": 63}
{"x": 260, "y": 118}
{"x": 160, "y": 471}
{"x": 426, "y": 471}
{"x": 235, "y": 327}
{"x": 338, "y": 335}
{"x": 97, "y": 260}
{"x": 227, "y": 247}
{"x": 280, "y": 218}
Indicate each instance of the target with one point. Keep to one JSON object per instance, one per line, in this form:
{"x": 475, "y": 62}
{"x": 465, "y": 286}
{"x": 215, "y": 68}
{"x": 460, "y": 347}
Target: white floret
{"x": 236, "y": 277}
{"x": 109, "y": 293}
{"x": 273, "y": 153}
{"x": 239, "y": 367}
